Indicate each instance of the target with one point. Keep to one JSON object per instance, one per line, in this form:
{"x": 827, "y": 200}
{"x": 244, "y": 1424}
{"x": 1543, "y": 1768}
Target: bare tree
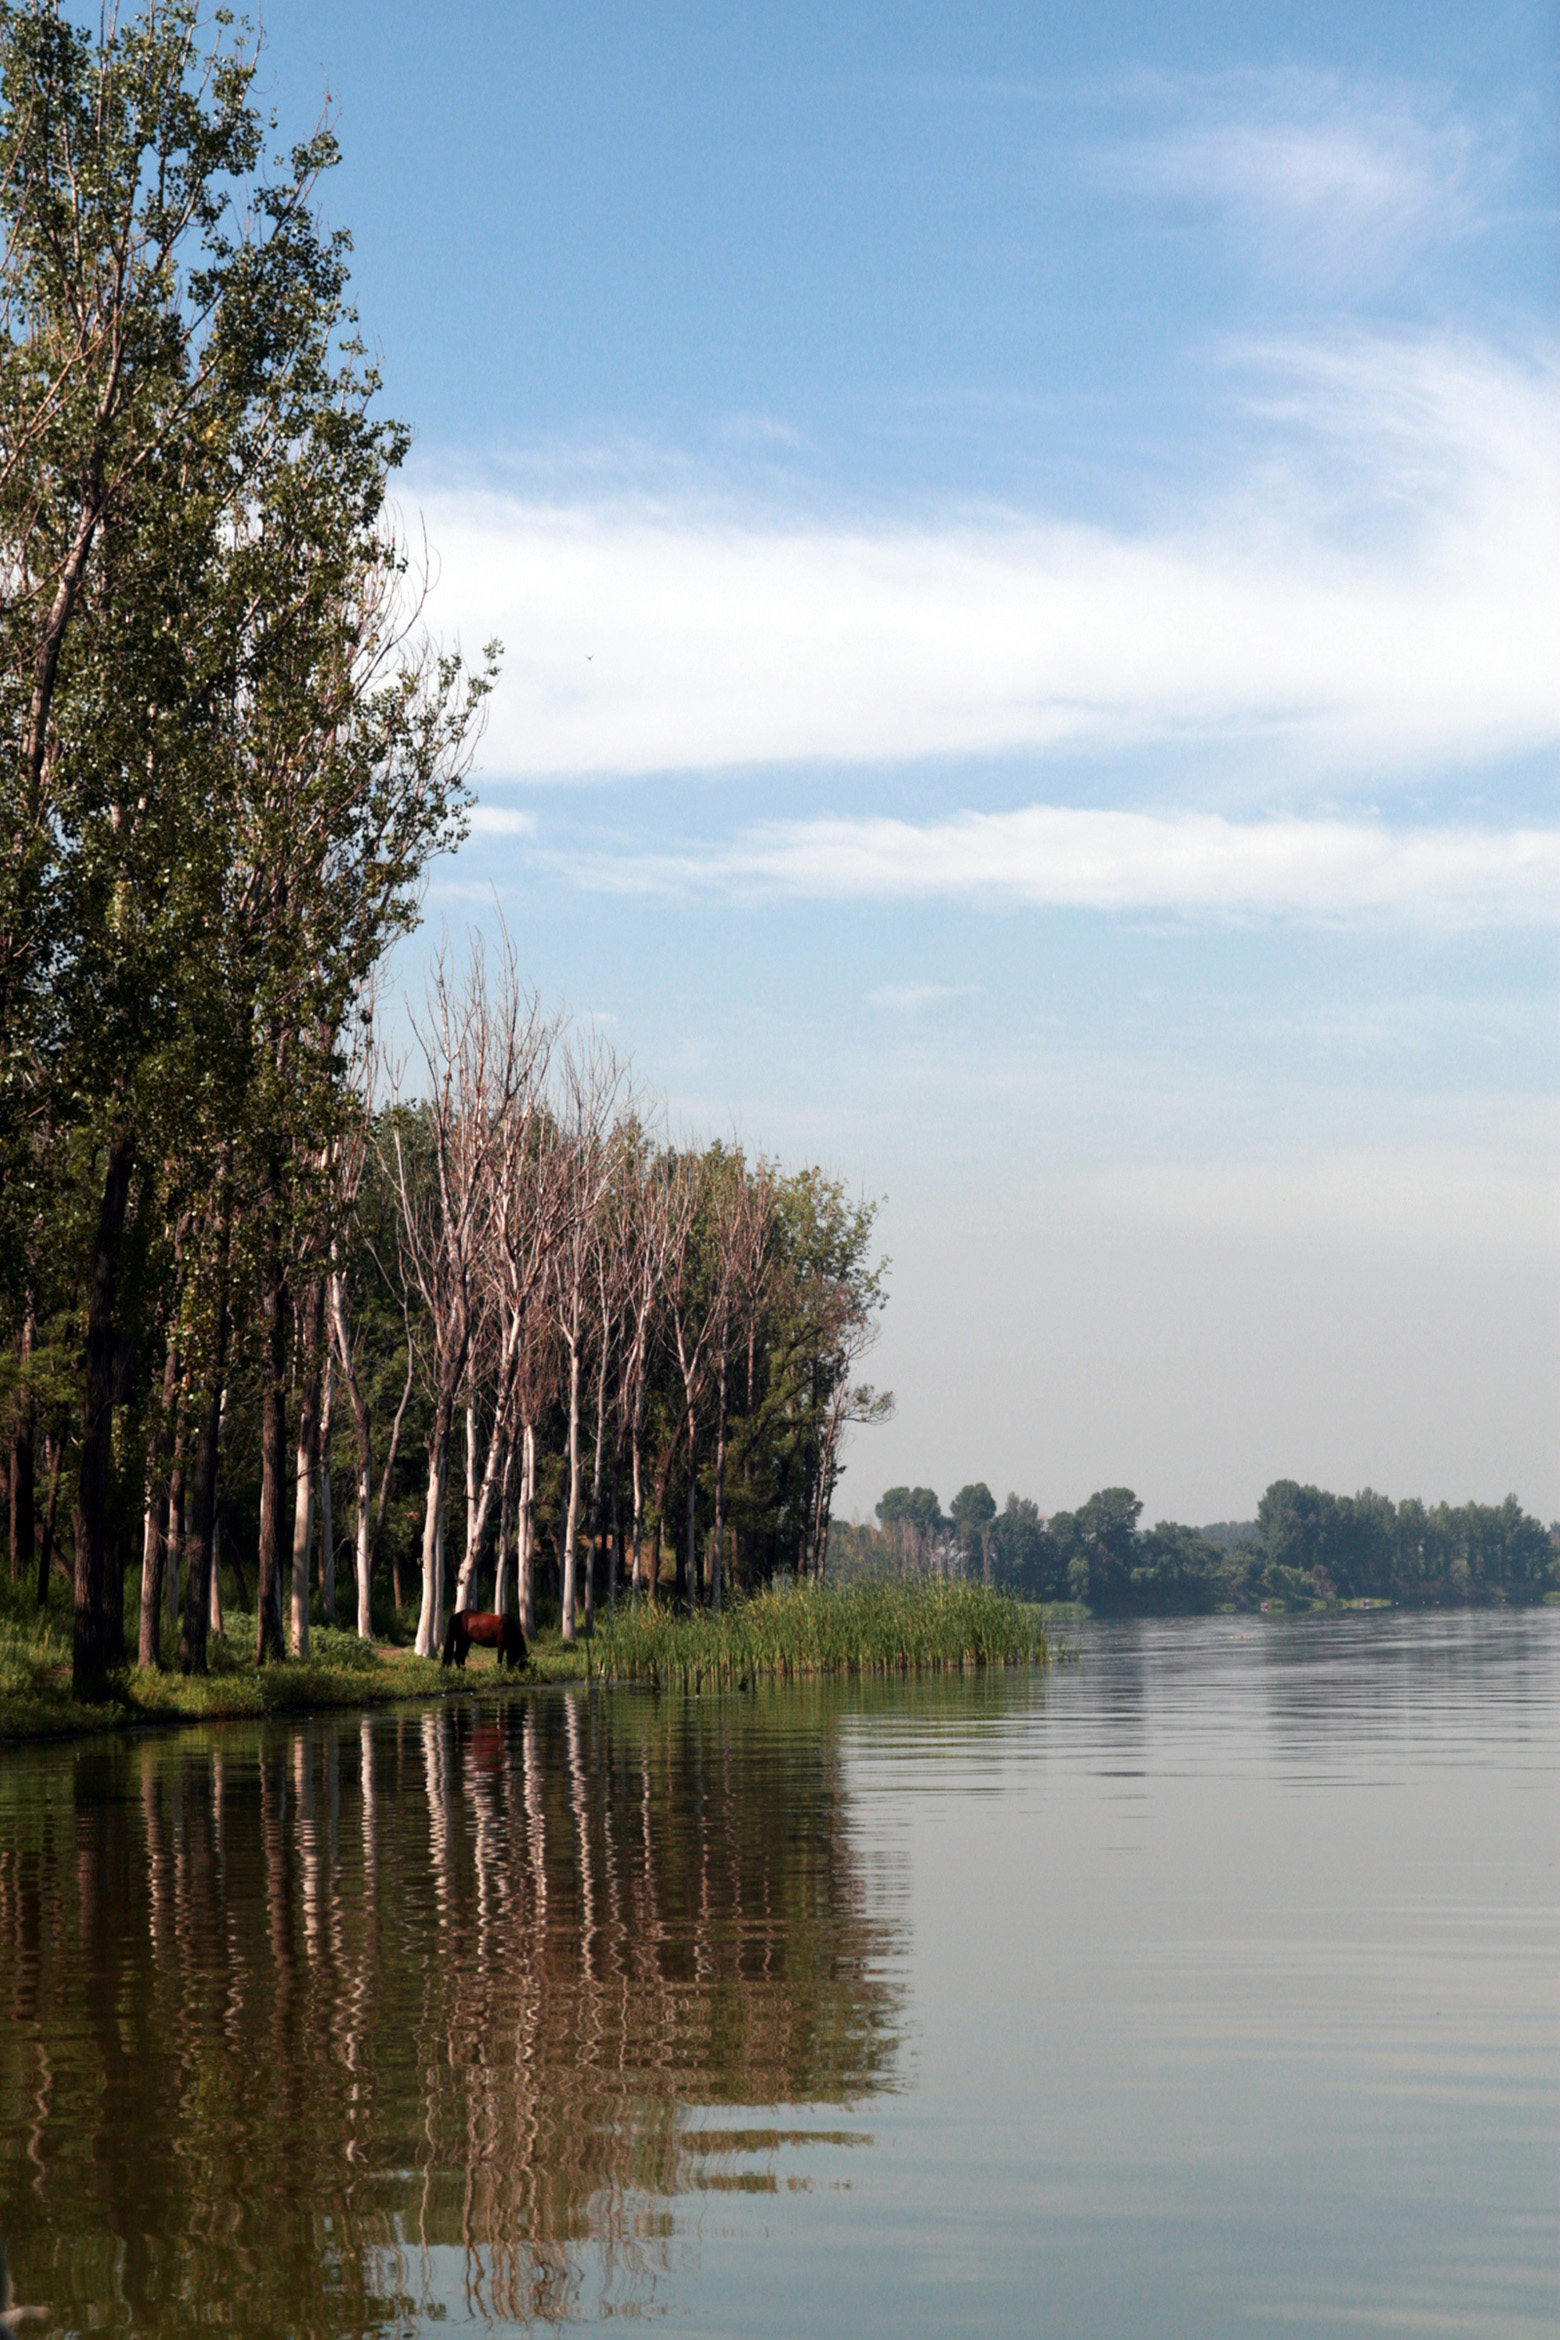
{"x": 537, "y": 1383}
{"x": 527, "y": 1202}
{"x": 350, "y": 1162}
{"x": 481, "y": 1042}
{"x": 592, "y": 1079}
{"x": 741, "y": 1232}
{"x": 441, "y": 1203}
{"x": 693, "y": 1323}
{"x": 852, "y": 1331}
{"x": 645, "y": 1226}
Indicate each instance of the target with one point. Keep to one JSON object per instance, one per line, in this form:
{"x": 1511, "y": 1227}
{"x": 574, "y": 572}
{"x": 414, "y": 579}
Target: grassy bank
{"x": 340, "y": 1671}
{"x": 793, "y": 1634}
{"x": 808, "y": 1630}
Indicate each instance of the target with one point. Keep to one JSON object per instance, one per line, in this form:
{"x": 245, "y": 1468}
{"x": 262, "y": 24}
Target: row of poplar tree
{"x": 231, "y": 750}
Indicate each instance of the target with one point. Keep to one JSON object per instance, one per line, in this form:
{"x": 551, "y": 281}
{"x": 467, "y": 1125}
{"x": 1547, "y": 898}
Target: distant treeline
{"x": 1305, "y": 1547}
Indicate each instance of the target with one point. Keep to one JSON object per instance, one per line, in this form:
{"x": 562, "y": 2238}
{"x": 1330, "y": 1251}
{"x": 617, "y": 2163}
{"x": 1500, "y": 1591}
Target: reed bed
{"x": 807, "y": 1630}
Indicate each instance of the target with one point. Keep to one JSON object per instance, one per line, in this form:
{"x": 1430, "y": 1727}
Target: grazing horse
{"x": 488, "y": 1631}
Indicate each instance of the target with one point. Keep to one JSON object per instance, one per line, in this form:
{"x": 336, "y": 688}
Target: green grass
{"x": 808, "y": 1630}
{"x": 36, "y": 1701}
{"x": 792, "y": 1634}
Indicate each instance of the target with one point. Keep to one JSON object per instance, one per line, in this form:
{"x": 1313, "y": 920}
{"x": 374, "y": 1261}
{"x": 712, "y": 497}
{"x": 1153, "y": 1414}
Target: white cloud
{"x": 907, "y": 998}
{"x": 501, "y": 820}
{"x": 1385, "y": 595}
{"x": 1340, "y": 183}
{"x": 1063, "y": 857}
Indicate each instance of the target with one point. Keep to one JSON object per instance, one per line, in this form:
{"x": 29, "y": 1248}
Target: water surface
{"x": 1209, "y": 1986}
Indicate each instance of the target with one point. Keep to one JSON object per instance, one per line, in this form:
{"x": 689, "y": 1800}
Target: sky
{"x": 1027, "y": 547}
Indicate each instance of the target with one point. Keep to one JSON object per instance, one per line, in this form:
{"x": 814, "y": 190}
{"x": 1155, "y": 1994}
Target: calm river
{"x": 1206, "y": 1987}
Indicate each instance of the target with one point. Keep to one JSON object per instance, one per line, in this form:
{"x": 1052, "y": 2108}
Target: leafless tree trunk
{"x": 471, "y": 1451}
{"x": 720, "y": 1481}
{"x": 604, "y": 1345}
{"x": 481, "y": 1045}
{"x": 692, "y": 1323}
{"x": 431, "y": 1618}
{"x": 571, "y": 1529}
{"x": 639, "y": 1493}
{"x": 593, "y": 1080}
{"x": 525, "y": 1552}
{"x": 615, "y": 1537}
{"x": 647, "y": 1234}
{"x": 370, "y": 1519}
{"x": 505, "y": 1525}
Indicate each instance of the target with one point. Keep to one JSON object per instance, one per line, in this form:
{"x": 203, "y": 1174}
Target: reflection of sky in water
{"x": 1208, "y": 1987}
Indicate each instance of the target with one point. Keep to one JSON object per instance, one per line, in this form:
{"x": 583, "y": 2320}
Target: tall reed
{"x": 808, "y": 1629}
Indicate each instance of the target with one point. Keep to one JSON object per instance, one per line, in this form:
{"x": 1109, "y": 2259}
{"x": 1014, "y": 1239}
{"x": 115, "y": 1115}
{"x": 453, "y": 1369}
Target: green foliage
{"x": 227, "y": 749}
{"x": 1306, "y": 1549}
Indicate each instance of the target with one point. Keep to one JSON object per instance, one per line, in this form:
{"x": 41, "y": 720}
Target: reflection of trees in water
{"x": 280, "y": 2017}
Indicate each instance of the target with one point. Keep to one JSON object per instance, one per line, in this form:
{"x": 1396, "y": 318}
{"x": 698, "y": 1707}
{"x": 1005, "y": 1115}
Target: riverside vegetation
{"x": 794, "y": 1632}
{"x": 289, "y": 1343}
{"x": 278, "y": 1329}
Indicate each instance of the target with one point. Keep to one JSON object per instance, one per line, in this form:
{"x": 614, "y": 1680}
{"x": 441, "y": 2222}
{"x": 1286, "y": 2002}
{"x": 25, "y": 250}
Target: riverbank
{"x": 793, "y": 1634}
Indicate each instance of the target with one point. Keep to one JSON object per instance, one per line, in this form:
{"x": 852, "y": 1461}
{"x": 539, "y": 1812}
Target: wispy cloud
{"x": 1339, "y": 182}
{"x": 910, "y": 998}
{"x": 1062, "y": 857}
{"x": 1382, "y": 594}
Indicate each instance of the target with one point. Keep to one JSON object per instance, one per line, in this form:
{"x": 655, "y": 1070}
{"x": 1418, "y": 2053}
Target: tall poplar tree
{"x": 225, "y": 758}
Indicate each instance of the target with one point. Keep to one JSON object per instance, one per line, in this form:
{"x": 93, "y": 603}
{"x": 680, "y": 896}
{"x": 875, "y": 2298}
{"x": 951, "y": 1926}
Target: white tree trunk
{"x": 639, "y": 1505}
{"x": 477, "y": 1514}
{"x": 572, "y": 1528}
{"x": 690, "y": 1545}
{"x": 501, "y": 1565}
{"x": 214, "y": 1613}
{"x": 471, "y": 1467}
{"x": 525, "y": 1554}
{"x": 365, "y": 1622}
{"x": 431, "y": 1615}
{"x": 153, "y": 1549}
{"x": 303, "y": 1538}
{"x": 173, "y": 1561}
{"x": 720, "y": 1492}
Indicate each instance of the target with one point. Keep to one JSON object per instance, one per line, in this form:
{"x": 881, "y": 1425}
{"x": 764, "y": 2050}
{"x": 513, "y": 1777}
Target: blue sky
{"x": 1026, "y": 545}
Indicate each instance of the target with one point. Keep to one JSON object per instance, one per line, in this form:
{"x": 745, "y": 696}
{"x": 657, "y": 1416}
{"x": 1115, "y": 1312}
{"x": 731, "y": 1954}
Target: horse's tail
{"x": 514, "y": 1649}
{"x": 451, "y": 1641}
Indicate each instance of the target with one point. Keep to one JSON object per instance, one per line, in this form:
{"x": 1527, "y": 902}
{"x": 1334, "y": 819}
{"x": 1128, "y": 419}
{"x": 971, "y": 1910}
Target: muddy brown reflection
{"x": 289, "y": 2016}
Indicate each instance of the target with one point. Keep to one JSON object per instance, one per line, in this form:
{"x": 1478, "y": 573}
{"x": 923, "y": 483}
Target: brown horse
{"x": 488, "y": 1631}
